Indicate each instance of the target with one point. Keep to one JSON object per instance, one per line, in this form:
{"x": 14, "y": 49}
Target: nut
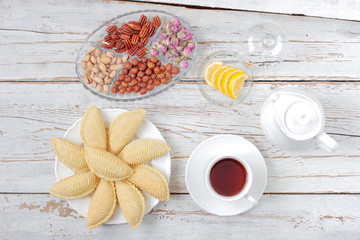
{"x": 157, "y": 21}
{"x": 135, "y": 39}
{"x": 102, "y": 67}
{"x": 97, "y": 52}
{"x": 86, "y": 72}
{"x": 87, "y": 57}
{"x": 99, "y": 88}
{"x": 108, "y": 79}
{"x": 117, "y": 67}
{"x": 98, "y": 80}
{"x": 105, "y": 60}
{"x": 83, "y": 64}
{"x": 106, "y": 89}
{"x": 125, "y": 58}
{"x": 89, "y": 66}
{"x": 142, "y": 20}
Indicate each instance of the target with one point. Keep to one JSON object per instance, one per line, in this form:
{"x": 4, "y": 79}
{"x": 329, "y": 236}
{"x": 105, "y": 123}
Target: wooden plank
{"x": 40, "y": 46}
{"x": 345, "y": 9}
{"x": 276, "y": 217}
{"x": 41, "y": 111}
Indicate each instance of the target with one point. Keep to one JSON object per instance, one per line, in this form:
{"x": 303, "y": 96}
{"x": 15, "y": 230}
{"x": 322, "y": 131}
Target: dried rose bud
{"x": 175, "y": 42}
{"x": 187, "y": 51}
{"x": 181, "y": 35}
{"x": 189, "y": 36}
{"x": 175, "y": 21}
{"x": 163, "y": 35}
{"x": 191, "y": 46}
{"x": 175, "y": 28}
{"x": 184, "y": 64}
{"x": 162, "y": 48}
{"x": 168, "y": 41}
{"x": 154, "y": 52}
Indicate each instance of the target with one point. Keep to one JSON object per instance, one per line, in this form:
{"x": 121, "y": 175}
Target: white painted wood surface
{"x": 310, "y": 194}
{"x": 341, "y": 9}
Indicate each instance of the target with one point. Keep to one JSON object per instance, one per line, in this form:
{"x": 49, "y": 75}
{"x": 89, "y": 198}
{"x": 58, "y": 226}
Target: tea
{"x": 228, "y": 177}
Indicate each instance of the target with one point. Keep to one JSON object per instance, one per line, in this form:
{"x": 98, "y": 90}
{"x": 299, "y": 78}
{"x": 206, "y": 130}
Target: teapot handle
{"x": 327, "y": 142}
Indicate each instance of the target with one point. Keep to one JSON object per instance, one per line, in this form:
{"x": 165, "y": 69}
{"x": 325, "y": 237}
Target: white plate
{"x": 199, "y": 161}
{"x": 147, "y": 130}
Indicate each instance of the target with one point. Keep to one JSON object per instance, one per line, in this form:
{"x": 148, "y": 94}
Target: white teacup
{"x": 244, "y": 191}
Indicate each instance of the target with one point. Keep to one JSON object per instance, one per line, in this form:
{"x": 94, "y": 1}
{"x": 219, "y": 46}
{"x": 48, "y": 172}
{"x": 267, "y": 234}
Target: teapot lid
{"x": 299, "y": 116}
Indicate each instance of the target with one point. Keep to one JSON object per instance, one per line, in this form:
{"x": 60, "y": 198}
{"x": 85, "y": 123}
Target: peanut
{"x": 86, "y": 72}
{"x": 125, "y": 58}
{"x": 87, "y": 57}
{"x": 117, "y": 67}
{"x": 102, "y": 67}
{"x": 112, "y": 74}
{"x": 89, "y": 66}
{"x": 83, "y": 64}
{"x": 99, "y": 88}
{"x": 98, "y": 80}
{"x": 97, "y": 52}
{"x": 106, "y": 89}
{"x": 93, "y": 59}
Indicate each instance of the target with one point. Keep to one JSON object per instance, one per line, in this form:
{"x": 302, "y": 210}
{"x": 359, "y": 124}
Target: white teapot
{"x": 293, "y": 119}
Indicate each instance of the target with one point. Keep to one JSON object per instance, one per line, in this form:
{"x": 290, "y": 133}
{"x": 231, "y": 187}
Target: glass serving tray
{"x": 96, "y": 37}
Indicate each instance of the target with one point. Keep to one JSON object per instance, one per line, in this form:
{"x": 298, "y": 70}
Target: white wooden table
{"x": 310, "y": 194}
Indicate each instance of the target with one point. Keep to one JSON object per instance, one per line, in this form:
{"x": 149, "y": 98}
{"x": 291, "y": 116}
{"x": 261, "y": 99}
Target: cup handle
{"x": 326, "y": 142}
{"x": 251, "y": 199}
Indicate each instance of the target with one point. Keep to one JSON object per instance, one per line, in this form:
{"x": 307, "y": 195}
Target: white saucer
{"x": 197, "y": 165}
{"x": 146, "y": 130}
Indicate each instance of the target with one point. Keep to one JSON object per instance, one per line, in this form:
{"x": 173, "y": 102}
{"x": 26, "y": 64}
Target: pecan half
{"x": 142, "y": 20}
{"x": 111, "y": 29}
{"x": 135, "y": 39}
{"x": 148, "y": 24}
{"x": 143, "y": 31}
{"x": 124, "y": 36}
{"x": 157, "y": 21}
{"x": 134, "y": 25}
{"x": 127, "y": 44}
{"x": 145, "y": 40}
{"x": 133, "y": 50}
{"x": 151, "y": 31}
{"x": 106, "y": 45}
{"x": 141, "y": 52}
{"x": 120, "y": 44}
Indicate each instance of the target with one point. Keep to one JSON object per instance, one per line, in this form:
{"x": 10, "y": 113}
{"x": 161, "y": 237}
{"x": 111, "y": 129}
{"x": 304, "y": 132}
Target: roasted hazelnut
{"x": 127, "y": 79}
{"x": 153, "y": 59}
{"x": 150, "y": 87}
{"x": 125, "y": 71}
{"x": 143, "y": 85}
{"x": 143, "y": 91}
{"x": 134, "y": 70}
{"x": 142, "y": 66}
{"x": 117, "y": 83}
{"x": 150, "y": 82}
{"x": 144, "y": 59}
{"x": 156, "y": 69}
{"x": 124, "y": 84}
{"x": 133, "y": 82}
{"x": 141, "y": 74}
{"x": 121, "y": 77}
{"x": 161, "y": 75}
{"x": 148, "y": 71}
{"x": 136, "y": 88}
{"x": 175, "y": 70}
{"x": 132, "y": 75}
{"x": 122, "y": 90}
{"x": 158, "y": 63}
{"x": 164, "y": 81}
{"x": 162, "y": 68}
{"x": 115, "y": 89}
{"x": 138, "y": 79}
{"x": 157, "y": 82}
{"x": 168, "y": 75}
{"x": 135, "y": 62}
{"x": 153, "y": 76}
{"x": 145, "y": 79}
{"x": 151, "y": 65}
{"x": 169, "y": 67}
{"x": 128, "y": 65}
{"x": 129, "y": 89}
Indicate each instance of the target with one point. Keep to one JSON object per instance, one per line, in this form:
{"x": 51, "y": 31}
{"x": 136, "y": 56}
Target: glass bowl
{"x": 96, "y": 37}
{"x": 233, "y": 59}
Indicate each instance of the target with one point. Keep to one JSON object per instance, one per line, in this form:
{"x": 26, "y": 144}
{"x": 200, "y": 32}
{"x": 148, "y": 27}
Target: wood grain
{"x": 41, "y": 111}
{"x": 345, "y": 9}
{"x": 42, "y": 45}
{"x": 276, "y": 217}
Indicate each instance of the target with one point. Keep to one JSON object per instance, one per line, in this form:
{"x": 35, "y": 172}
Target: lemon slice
{"x": 219, "y": 74}
{"x": 225, "y": 78}
{"x": 232, "y": 77}
{"x": 235, "y": 85}
{"x": 209, "y": 72}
